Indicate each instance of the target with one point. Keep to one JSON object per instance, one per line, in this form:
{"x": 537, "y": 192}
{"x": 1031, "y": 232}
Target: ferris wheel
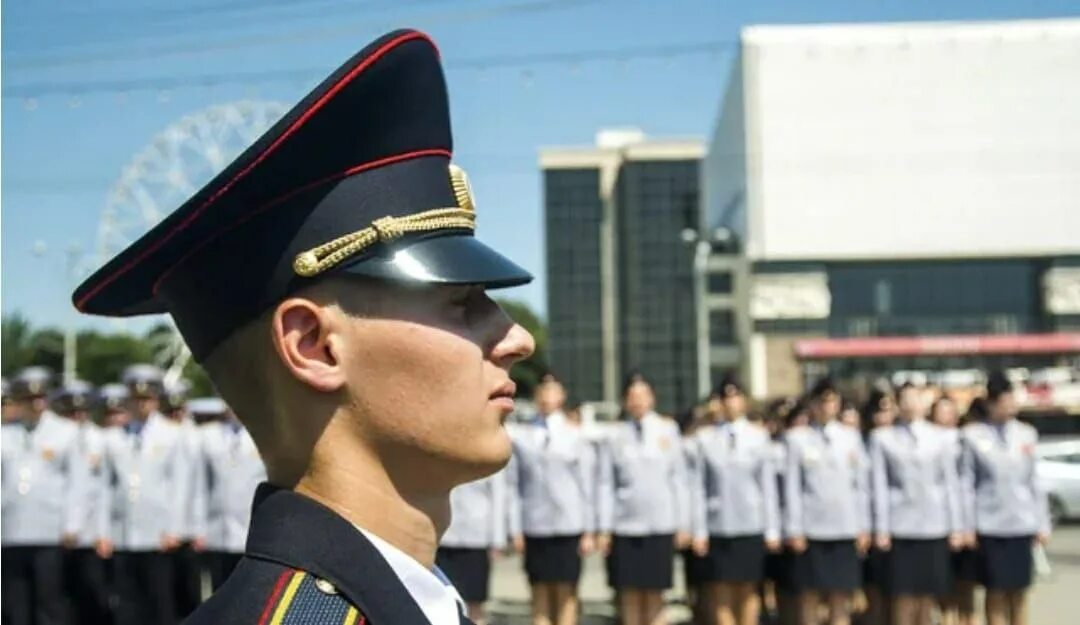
{"x": 171, "y": 168}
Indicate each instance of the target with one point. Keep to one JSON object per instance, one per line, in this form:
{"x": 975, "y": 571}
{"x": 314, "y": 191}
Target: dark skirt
{"x": 874, "y": 567}
{"x": 1004, "y": 563}
{"x": 828, "y": 566}
{"x": 694, "y": 567}
{"x": 965, "y": 565}
{"x": 778, "y": 569}
{"x": 917, "y": 567}
{"x": 552, "y": 559}
{"x": 641, "y": 562}
{"x": 735, "y": 559}
{"x": 467, "y": 569}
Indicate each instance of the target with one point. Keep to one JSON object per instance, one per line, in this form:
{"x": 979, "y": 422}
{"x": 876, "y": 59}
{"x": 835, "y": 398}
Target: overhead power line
{"x": 167, "y": 83}
{"x": 74, "y": 58}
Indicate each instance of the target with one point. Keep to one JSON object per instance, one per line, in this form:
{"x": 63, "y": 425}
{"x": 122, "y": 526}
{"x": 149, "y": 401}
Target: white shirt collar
{"x": 430, "y": 589}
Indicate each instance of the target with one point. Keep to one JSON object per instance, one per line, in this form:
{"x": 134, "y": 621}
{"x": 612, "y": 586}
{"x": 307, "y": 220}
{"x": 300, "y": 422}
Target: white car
{"x": 1058, "y": 470}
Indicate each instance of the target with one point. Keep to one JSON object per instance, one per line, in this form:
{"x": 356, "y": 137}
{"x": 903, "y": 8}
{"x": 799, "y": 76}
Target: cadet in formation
{"x": 958, "y": 605}
{"x": 916, "y": 509}
{"x": 643, "y": 504}
{"x": 736, "y": 509}
{"x": 188, "y": 556}
{"x": 553, "y": 526}
{"x": 43, "y": 493}
{"x": 1003, "y": 501}
{"x": 827, "y": 513}
{"x": 147, "y": 474}
{"x": 477, "y": 533}
{"x": 228, "y": 470}
{"x": 329, "y": 282}
{"x": 879, "y": 412}
{"x": 85, "y": 575}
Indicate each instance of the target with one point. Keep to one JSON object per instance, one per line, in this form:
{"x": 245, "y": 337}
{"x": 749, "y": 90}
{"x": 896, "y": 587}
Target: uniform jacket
{"x": 1001, "y": 493}
{"x": 227, "y": 471}
{"x": 826, "y": 483}
{"x": 305, "y": 564}
{"x": 91, "y": 443}
{"x": 641, "y": 479}
{"x": 734, "y": 481}
{"x": 44, "y": 482}
{"x": 147, "y": 476}
{"x": 915, "y": 487}
{"x": 478, "y": 515}
{"x": 551, "y": 479}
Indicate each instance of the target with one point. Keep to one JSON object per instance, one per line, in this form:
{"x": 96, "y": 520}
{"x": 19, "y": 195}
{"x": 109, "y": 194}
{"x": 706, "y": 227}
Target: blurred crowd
{"x": 119, "y": 503}
{"x": 130, "y": 502}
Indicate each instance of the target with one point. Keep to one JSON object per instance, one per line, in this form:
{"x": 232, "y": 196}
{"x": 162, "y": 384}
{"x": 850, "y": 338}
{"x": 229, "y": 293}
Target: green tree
{"x": 102, "y": 358}
{"x": 527, "y": 373}
{"x": 24, "y": 346}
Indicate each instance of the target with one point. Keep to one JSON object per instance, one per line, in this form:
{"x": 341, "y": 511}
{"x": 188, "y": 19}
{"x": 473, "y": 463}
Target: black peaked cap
{"x": 371, "y": 141}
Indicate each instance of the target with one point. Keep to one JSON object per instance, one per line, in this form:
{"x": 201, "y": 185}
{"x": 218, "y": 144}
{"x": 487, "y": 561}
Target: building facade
{"x": 621, "y": 224}
{"x": 882, "y": 182}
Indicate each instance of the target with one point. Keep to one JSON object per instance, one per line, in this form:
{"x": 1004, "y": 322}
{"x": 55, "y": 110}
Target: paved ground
{"x": 1054, "y": 600}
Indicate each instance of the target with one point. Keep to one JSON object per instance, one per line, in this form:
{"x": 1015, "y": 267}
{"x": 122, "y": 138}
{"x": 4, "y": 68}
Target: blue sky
{"x": 71, "y": 121}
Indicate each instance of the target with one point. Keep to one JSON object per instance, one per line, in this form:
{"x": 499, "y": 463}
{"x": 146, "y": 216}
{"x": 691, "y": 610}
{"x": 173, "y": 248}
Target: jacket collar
{"x": 298, "y": 532}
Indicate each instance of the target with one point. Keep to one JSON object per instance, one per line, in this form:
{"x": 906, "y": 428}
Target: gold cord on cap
{"x": 386, "y": 229}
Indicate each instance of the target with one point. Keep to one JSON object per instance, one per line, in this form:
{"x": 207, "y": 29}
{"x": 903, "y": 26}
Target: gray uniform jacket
{"x": 147, "y": 476}
{"x": 44, "y": 484}
{"x": 915, "y": 487}
{"x": 91, "y": 453}
{"x": 478, "y": 514}
{"x": 642, "y": 479}
{"x": 551, "y": 479}
{"x": 826, "y": 483}
{"x": 998, "y": 480}
{"x": 734, "y": 482}
{"x": 227, "y": 471}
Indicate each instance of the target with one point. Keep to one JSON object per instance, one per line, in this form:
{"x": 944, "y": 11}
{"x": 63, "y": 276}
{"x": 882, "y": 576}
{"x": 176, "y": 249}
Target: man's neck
{"x": 366, "y": 495}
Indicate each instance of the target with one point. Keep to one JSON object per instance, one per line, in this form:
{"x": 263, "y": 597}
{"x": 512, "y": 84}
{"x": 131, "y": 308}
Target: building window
{"x": 721, "y": 327}
{"x": 719, "y": 283}
{"x": 882, "y": 297}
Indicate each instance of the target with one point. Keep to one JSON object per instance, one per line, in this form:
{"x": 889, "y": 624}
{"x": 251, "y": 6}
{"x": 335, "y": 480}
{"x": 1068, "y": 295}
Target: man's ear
{"x": 306, "y": 339}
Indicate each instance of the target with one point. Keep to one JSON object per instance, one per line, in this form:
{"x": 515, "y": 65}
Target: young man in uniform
{"x": 147, "y": 480}
{"x": 43, "y": 495}
{"x": 187, "y": 560}
{"x": 330, "y": 283}
{"x": 84, "y": 570}
{"x": 227, "y": 472}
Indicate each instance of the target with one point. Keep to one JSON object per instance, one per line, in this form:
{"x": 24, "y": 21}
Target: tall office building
{"x": 621, "y": 220}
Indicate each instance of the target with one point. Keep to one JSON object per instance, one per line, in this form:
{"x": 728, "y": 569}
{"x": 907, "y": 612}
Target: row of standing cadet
{"x": 120, "y": 504}
{"x": 909, "y": 514}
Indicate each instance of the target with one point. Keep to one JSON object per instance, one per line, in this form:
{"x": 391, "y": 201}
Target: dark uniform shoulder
{"x": 260, "y": 592}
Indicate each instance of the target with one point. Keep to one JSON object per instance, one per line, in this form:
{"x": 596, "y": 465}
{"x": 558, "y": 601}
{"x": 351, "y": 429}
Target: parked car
{"x": 1058, "y": 471}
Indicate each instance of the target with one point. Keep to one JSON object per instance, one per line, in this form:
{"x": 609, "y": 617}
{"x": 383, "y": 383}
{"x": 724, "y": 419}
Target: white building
{"x": 900, "y": 180}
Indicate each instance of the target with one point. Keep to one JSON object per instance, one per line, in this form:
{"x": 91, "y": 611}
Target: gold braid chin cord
{"x": 382, "y": 230}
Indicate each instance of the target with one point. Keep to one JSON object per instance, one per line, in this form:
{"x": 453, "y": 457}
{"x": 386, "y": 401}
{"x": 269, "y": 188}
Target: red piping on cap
{"x": 346, "y": 79}
{"x": 279, "y": 200}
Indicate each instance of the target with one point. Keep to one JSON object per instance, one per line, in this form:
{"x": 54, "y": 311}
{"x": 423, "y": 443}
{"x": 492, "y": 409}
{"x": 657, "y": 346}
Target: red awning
{"x": 892, "y": 346}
